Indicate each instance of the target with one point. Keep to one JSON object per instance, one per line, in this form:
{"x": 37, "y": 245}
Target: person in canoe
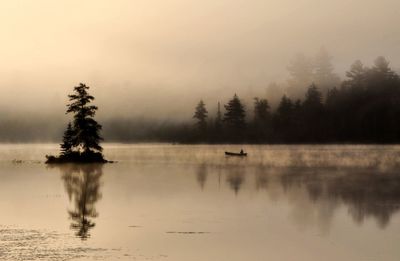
{"x": 241, "y": 153}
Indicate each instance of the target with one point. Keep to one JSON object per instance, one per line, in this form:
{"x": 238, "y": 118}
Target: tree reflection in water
{"x": 82, "y": 183}
{"x": 235, "y": 178}
{"x": 202, "y": 175}
{"x": 365, "y": 192}
{"x": 315, "y": 194}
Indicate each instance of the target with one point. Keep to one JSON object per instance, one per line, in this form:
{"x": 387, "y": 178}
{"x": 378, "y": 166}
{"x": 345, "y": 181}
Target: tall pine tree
{"x": 234, "y": 119}
{"x": 87, "y": 137}
{"x": 324, "y": 75}
{"x": 81, "y": 139}
{"x": 313, "y": 114}
{"x": 218, "y": 119}
{"x": 261, "y": 111}
{"x": 200, "y": 115}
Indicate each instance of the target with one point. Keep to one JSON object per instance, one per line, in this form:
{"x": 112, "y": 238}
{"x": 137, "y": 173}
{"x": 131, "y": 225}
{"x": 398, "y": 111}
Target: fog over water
{"x": 158, "y": 58}
{"x": 191, "y": 202}
{"x": 175, "y": 178}
{"x": 153, "y": 60}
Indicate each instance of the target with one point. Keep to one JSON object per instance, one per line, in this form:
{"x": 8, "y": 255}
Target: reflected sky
{"x": 162, "y": 202}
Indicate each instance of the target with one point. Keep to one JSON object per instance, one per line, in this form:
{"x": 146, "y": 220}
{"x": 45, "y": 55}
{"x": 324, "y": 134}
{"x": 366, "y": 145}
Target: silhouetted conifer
{"x": 285, "y": 108}
{"x": 68, "y": 140}
{"x": 313, "y": 114}
{"x": 313, "y": 97}
{"x": 365, "y": 108}
{"x": 356, "y": 74}
{"x": 301, "y": 75}
{"x": 87, "y": 129}
{"x": 235, "y": 114}
{"x": 284, "y": 120}
{"x": 234, "y": 119}
{"x": 81, "y": 140}
{"x": 324, "y": 75}
{"x": 200, "y": 115}
{"x": 261, "y": 110}
{"x": 260, "y": 128}
{"x": 218, "y": 119}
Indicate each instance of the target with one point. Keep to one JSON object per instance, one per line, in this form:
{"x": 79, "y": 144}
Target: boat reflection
{"x": 82, "y": 184}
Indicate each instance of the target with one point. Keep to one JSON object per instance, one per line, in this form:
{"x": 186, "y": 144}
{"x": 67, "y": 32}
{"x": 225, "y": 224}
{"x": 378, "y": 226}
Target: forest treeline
{"x": 364, "y": 108}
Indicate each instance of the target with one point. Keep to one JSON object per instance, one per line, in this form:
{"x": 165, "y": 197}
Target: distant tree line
{"x": 365, "y": 108}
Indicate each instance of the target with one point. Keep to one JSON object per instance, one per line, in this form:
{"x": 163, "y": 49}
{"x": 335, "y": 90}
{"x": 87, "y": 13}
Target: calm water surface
{"x": 182, "y": 203}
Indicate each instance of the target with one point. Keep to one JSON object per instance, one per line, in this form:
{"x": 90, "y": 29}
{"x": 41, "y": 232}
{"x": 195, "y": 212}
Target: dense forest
{"x": 315, "y": 106}
{"x": 364, "y": 108}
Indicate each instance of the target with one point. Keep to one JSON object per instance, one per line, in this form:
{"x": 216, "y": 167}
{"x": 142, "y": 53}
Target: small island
{"x": 81, "y": 140}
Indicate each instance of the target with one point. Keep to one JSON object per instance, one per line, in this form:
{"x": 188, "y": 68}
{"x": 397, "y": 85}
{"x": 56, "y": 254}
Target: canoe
{"x": 235, "y": 154}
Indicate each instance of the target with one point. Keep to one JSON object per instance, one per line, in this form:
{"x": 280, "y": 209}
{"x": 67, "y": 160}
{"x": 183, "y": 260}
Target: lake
{"x": 191, "y": 202}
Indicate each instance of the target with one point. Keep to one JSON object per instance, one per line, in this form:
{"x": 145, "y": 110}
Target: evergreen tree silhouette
{"x": 235, "y": 114}
{"x": 301, "y": 75}
{"x": 68, "y": 140}
{"x": 81, "y": 139}
{"x": 260, "y": 128}
{"x": 234, "y": 118}
{"x": 313, "y": 97}
{"x": 356, "y": 74}
{"x": 218, "y": 118}
{"x": 200, "y": 115}
{"x": 87, "y": 137}
{"x": 261, "y": 111}
{"x": 313, "y": 114}
{"x": 381, "y": 66}
{"x": 324, "y": 75}
{"x": 284, "y": 120}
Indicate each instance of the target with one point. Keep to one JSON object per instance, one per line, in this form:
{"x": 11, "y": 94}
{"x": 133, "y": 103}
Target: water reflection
{"x": 82, "y": 184}
{"x": 235, "y": 178}
{"x": 202, "y": 175}
{"x": 315, "y": 194}
{"x": 262, "y": 178}
{"x": 366, "y": 193}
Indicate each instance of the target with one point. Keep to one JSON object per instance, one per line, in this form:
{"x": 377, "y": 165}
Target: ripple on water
{"x": 31, "y": 244}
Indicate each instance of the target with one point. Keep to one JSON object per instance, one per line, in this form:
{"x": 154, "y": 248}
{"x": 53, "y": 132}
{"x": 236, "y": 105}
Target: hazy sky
{"x": 152, "y": 53}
